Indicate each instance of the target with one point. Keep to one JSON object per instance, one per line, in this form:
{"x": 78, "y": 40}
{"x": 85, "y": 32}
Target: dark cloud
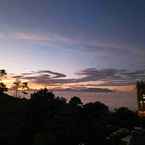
{"x": 111, "y": 77}
{"x": 56, "y": 74}
{"x": 40, "y": 74}
{"x": 17, "y": 76}
{"x": 94, "y": 90}
{"x": 93, "y": 74}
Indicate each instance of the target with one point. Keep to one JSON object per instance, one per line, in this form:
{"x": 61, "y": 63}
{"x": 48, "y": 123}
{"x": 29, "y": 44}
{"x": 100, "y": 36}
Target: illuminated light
{"x": 143, "y": 96}
{"x": 141, "y": 102}
{"x": 141, "y": 113}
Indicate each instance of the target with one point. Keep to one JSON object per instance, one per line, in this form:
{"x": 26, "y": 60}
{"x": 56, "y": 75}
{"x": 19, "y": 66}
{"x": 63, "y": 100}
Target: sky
{"x": 79, "y": 45}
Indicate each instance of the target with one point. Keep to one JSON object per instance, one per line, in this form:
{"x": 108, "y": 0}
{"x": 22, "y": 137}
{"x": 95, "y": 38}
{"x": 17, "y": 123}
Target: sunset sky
{"x": 82, "y": 45}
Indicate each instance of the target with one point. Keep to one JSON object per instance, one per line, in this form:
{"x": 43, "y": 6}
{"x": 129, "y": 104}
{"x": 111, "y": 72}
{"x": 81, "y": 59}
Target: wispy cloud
{"x": 106, "y": 53}
{"x": 113, "y": 76}
{"x": 78, "y": 89}
{"x": 31, "y": 36}
{"x": 57, "y": 40}
{"x": 90, "y": 79}
{"x": 90, "y": 74}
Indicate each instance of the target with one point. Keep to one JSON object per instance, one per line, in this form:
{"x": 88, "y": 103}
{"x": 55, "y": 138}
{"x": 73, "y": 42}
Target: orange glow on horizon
{"x": 9, "y": 81}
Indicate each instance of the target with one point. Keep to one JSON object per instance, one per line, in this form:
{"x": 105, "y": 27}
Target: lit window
{"x": 141, "y": 102}
{"x": 143, "y": 96}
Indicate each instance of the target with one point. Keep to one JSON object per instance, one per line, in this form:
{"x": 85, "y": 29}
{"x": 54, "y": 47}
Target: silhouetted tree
{"x": 25, "y": 87}
{"x": 3, "y": 87}
{"x": 95, "y": 123}
{"x": 76, "y": 101}
{"x": 2, "y": 74}
{"x": 42, "y": 95}
{"x": 39, "y": 106}
{"x": 61, "y": 100}
{"x": 96, "y": 109}
{"x": 49, "y": 120}
{"x": 126, "y": 118}
{"x": 17, "y": 85}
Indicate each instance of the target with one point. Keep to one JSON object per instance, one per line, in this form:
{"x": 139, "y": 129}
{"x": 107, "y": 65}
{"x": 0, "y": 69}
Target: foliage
{"x": 3, "y": 87}
{"x": 50, "y": 120}
{"x": 75, "y": 101}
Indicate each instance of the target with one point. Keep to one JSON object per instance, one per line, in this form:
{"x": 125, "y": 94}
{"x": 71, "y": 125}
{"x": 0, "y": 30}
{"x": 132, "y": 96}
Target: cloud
{"x": 49, "y": 39}
{"x": 93, "y": 74}
{"x": 30, "y": 36}
{"x": 112, "y": 76}
{"x": 56, "y": 74}
{"x": 93, "y": 90}
{"x": 101, "y": 49}
{"x": 61, "y": 41}
{"x": 42, "y": 76}
{"x": 108, "y": 77}
{"x": 97, "y": 48}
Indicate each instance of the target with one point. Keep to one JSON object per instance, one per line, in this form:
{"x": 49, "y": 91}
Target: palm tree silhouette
{"x": 25, "y": 87}
{"x": 2, "y": 74}
{"x": 17, "y": 85}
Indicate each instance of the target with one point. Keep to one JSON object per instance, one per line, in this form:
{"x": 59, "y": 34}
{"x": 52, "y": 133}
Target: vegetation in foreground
{"x": 49, "y": 120}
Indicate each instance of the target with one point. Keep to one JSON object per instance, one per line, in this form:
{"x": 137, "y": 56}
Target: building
{"x": 141, "y": 97}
